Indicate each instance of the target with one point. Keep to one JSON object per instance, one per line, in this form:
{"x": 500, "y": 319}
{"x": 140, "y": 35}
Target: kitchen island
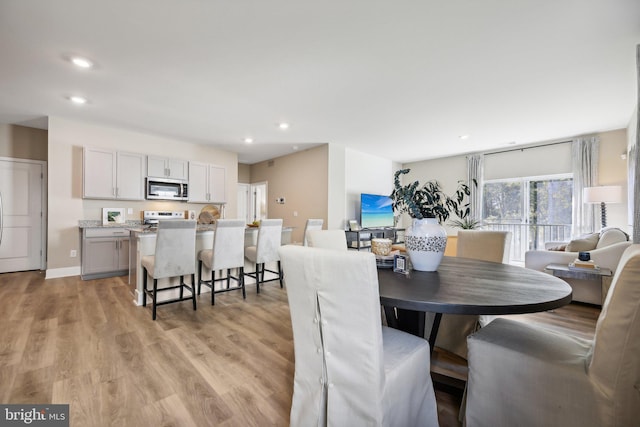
{"x": 143, "y": 242}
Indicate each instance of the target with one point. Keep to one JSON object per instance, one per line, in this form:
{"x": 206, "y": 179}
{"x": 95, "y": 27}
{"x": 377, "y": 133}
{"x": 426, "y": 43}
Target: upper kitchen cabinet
{"x": 108, "y": 174}
{"x": 207, "y": 183}
{"x": 163, "y": 167}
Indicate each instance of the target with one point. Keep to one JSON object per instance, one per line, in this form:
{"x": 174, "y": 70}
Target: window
{"x": 534, "y": 209}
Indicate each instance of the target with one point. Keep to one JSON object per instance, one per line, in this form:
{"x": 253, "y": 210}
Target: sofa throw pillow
{"x": 587, "y": 243}
{"x": 558, "y": 248}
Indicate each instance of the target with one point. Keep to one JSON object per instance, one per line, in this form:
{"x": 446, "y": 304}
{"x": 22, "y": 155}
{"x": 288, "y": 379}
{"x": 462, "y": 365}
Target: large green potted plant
{"x": 428, "y": 206}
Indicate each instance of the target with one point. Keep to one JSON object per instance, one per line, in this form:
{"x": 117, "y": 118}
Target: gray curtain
{"x": 631, "y": 170}
{"x": 584, "y": 153}
{"x": 636, "y": 200}
{"x": 475, "y": 170}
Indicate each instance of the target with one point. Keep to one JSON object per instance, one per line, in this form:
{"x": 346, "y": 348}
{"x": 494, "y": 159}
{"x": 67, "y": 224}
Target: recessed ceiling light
{"x": 78, "y": 99}
{"x": 78, "y": 61}
{"x": 248, "y": 140}
{"x": 295, "y": 148}
{"x": 464, "y": 137}
{"x": 283, "y": 125}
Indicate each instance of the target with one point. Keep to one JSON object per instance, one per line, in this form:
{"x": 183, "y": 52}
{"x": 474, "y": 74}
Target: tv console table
{"x": 361, "y": 239}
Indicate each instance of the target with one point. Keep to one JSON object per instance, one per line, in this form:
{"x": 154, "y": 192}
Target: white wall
{"x": 447, "y": 171}
{"x": 66, "y": 206}
{"x": 365, "y": 173}
{"x": 336, "y": 195}
{"x": 613, "y": 171}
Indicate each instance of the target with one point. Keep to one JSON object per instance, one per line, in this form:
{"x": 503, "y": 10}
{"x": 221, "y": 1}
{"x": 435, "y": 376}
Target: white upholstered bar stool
{"x": 227, "y": 253}
{"x": 175, "y": 256}
{"x": 328, "y": 239}
{"x": 349, "y": 369}
{"x": 266, "y": 250}
{"x": 312, "y": 224}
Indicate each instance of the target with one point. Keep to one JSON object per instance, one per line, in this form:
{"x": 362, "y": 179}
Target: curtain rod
{"x": 527, "y": 148}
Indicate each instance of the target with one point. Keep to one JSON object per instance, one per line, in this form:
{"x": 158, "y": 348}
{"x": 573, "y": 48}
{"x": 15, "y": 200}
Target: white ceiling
{"x": 400, "y": 79}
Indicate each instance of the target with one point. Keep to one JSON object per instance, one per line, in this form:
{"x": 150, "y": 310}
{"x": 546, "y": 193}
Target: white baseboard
{"x": 54, "y": 273}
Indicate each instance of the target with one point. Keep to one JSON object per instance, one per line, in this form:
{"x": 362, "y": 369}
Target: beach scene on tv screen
{"x": 375, "y": 211}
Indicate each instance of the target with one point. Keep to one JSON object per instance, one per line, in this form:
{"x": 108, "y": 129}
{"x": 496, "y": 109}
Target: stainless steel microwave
{"x": 166, "y": 189}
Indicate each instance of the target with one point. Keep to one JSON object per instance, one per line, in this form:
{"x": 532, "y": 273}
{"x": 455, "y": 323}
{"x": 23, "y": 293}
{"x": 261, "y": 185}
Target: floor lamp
{"x": 603, "y": 194}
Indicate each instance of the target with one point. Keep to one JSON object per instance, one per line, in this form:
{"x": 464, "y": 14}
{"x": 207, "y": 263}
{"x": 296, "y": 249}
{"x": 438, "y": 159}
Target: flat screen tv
{"x": 375, "y": 211}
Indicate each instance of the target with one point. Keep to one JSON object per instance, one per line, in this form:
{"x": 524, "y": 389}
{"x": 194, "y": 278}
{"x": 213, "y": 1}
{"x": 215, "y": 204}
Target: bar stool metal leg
{"x": 144, "y": 284}
{"x": 213, "y": 287}
{"x": 241, "y": 278}
{"x": 155, "y": 297}
{"x": 193, "y": 290}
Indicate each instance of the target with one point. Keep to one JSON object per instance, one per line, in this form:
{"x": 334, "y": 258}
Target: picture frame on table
{"x": 353, "y": 225}
{"x": 400, "y": 264}
{"x": 112, "y": 216}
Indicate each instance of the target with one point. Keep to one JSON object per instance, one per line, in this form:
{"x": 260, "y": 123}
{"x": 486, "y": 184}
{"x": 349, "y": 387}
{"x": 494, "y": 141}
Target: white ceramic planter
{"x": 425, "y": 241}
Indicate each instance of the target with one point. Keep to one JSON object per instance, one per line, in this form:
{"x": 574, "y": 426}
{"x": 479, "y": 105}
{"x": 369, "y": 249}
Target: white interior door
{"x": 21, "y": 189}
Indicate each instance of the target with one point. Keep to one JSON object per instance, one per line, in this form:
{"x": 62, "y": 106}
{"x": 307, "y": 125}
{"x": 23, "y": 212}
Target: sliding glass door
{"x": 535, "y": 209}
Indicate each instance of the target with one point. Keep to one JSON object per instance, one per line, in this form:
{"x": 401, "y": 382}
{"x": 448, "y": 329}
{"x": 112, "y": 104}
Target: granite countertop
{"x": 139, "y": 227}
{"x": 96, "y": 223}
{"x": 133, "y": 225}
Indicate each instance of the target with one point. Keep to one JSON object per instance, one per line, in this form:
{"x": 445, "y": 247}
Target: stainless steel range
{"x": 151, "y": 218}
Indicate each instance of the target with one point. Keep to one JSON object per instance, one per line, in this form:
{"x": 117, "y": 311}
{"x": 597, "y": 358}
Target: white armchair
{"x": 608, "y": 250}
{"x": 522, "y": 375}
{"x": 349, "y": 369}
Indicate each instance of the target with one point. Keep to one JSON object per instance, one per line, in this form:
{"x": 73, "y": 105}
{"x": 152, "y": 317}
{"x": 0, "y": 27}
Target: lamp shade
{"x": 602, "y": 194}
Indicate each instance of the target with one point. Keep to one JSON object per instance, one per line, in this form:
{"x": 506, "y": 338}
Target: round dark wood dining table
{"x": 466, "y": 286}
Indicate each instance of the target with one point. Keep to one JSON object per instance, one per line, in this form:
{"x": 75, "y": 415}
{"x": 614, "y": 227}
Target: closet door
{"x": 21, "y": 187}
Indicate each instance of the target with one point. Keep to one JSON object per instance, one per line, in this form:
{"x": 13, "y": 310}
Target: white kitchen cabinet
{"x": 207, "y": 183}
{"x": 99, "y": 173}
{"x": 130, "y": 176}
{"x": 108, "y": 174}
{"x": 105, "y": 252}
{"x": 164, "y": 167}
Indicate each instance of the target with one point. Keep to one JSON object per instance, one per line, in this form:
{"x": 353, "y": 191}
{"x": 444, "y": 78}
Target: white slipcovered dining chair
{"x": 265, "y": 251}
{"x": 175, "y": 256}
{"x": 527, "y": 375}
{"x": 312, "y": 224}
{"x": 227, "y": 253}
{"x": 328, "y": 239}
{"x": 349, "y": 369}
{"x": 485, "y": 245}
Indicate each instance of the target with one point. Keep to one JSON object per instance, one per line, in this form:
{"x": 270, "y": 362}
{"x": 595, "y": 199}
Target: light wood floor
{"x": 86, "y": 344}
